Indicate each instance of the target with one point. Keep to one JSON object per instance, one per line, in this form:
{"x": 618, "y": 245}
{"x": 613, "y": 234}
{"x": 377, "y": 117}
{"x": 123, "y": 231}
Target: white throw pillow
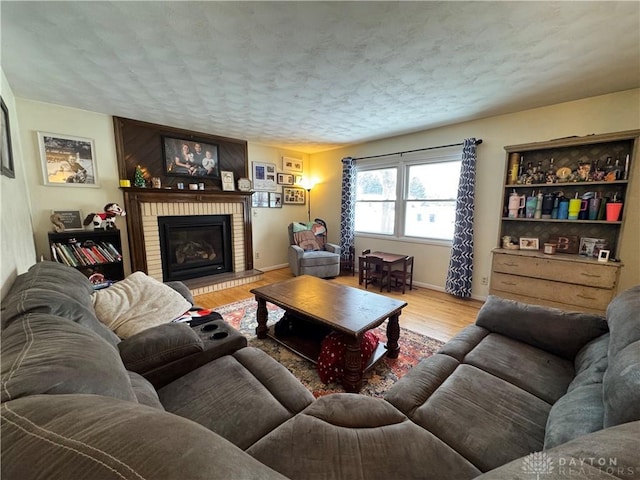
{"x": 137, "y": 303}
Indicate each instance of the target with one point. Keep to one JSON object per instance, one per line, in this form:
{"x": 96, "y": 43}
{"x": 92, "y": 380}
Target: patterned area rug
{"x": 413, "y": 348}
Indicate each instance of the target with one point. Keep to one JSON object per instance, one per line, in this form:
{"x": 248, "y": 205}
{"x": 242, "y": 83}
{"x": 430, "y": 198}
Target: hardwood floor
{"x": 436, "y": 314}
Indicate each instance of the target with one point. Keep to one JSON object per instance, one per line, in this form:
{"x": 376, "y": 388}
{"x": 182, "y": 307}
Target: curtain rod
{"x": 478, "y": 142}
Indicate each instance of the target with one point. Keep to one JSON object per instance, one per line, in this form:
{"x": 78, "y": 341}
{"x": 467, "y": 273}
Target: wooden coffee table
{"x": 338, "y": 307}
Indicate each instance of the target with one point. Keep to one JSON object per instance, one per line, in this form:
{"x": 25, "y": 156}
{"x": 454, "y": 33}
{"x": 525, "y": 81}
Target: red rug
{"x": 413, "y": 348}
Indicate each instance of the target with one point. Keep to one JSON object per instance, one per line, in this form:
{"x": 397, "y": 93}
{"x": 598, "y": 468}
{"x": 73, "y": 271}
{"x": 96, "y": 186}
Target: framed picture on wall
{"x": 260, "y": 200}
{"x": 286, "y": 179}
{"x": 275, "y": 200}
{"x": 5, "y": 147}
{"x": 190, "y": 158}
{"x": 294, "y": 196}
{"x": 67, "y": 161}
{"x": 290, "y": 164}
{"x": 264, "y": 176}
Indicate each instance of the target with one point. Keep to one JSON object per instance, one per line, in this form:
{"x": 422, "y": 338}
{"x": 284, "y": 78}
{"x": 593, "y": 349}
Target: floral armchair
{"x": 309, "y": 251}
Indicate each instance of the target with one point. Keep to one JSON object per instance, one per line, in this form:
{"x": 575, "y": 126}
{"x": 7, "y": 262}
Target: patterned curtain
{"x": 348, "y": 212}
{"x": 461, "y": 264}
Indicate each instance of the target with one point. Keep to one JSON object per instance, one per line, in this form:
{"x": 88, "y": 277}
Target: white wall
{"x": 608, "y": 113}
{"x": 16, "y": 236}
{"x": 44, "y": 117}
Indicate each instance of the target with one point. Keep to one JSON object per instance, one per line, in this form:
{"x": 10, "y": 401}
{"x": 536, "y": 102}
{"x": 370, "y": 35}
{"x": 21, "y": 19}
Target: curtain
{"x": 348, "y": 205}
{"x": 460, "y": 271}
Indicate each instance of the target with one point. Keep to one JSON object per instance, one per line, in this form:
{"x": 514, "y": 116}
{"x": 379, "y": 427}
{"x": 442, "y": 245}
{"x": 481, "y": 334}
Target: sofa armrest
{"x": 551, "y": 329}
{"x": 158, "y": 346}
{"x": 332, "y": 247}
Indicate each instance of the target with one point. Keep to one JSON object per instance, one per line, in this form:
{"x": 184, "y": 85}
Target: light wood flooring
{"x": 432, "y": 313}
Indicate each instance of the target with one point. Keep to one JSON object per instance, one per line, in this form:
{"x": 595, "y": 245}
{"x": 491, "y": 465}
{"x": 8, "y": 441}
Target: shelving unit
{"x": 569, "y": 281}
{"x": 98, "y": 251}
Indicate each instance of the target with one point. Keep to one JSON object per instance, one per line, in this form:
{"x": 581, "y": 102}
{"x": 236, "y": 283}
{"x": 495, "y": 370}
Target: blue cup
{"x": 563, "y": 209}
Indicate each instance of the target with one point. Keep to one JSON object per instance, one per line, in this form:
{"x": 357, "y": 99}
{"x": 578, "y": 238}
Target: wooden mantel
{"x": 135, "y": 197}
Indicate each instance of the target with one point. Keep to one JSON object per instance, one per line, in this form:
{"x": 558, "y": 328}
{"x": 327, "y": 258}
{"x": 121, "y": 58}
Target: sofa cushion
{"x": 540, "y": 373}
{"x": 45, "y": 300}
{"x": 486, "y": 419}
{"x": 136, "y": 303}
{"x": 355, "y": 437}
{"x": 98, "y": 438}
{"x": 46, "y": 354}
{"x": 557, "y": 331}
{"x": 604, "y": 455}
{"x": 242, "y": 396}
{"x": 591, "y": 363}
{"x": 577, "y": 413}
{"x": 622, "y": 379}
{"x": 58, "y": 278}
{"x": 144, "y": 391}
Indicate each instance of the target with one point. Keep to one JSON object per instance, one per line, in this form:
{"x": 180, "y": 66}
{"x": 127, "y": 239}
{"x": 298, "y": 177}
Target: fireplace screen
{"x": 195, "y": 246}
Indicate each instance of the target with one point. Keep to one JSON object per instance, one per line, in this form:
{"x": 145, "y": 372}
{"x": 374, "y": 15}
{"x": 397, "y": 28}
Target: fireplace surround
{"x": 145, "y": 205}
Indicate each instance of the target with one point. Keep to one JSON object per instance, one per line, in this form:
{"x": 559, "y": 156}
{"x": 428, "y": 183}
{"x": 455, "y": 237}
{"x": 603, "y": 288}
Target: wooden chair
{"x": 348, "y": 264}
{"x": 361, "y": 266}
{"x": 373, "y": 270}
{"x": 405, "y": 275}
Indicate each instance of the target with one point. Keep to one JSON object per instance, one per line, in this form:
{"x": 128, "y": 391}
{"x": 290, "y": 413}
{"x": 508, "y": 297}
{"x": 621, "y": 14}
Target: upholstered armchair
{"x": 309, "y": 251}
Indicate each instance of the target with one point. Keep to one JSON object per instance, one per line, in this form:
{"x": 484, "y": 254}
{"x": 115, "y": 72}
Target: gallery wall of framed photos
{"x": 275, "y": 185}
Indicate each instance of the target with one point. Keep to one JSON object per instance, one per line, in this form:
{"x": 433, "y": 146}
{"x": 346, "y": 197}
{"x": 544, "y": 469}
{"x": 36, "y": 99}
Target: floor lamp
{"x": 307, "y": 184}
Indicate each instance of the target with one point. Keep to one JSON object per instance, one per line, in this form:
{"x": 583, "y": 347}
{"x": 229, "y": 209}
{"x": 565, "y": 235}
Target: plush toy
{"x": 105, "y": 220}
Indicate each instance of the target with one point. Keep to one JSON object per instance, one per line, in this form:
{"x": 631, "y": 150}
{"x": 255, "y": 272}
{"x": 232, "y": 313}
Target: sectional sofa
{"x": 523, "y": 379}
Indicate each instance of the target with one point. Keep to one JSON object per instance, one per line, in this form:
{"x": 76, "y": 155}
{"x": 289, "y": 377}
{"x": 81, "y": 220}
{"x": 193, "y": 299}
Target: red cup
{"x": 613, "y": 211}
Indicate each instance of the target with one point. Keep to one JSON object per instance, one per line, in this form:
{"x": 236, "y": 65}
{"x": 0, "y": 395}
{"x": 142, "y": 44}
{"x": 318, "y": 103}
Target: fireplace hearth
{"x": 194, "y": 246}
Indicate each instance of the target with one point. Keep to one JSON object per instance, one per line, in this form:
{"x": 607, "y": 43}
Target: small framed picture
{"x": 275, "y": 200}
{"x": 292, "y": 165}
{"x": 298, "y": 180}
{"x": 260, "y": 200}
{"x": 228, "y": 183}
{"x": 67, "y": 161}
{"x": 294, "y": 196}
{"x": 603, "y": 256}
{"x": 286, "y": 179}
{"x": 70, "y": 219}
{"x": 527, "y": 243}
{"x": 264, "y": 176}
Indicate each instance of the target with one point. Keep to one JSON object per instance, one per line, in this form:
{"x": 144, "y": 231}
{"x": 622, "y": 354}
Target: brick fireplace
{"x": 144, "y": 206}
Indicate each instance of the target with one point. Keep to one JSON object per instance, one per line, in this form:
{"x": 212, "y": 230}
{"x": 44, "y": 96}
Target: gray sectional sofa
{"x": 523, "y": 379}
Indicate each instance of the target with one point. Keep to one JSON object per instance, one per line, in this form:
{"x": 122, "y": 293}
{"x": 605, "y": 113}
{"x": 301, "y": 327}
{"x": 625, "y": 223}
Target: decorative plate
{"x": 563, "y": 173}
{"x": 244, "y": 184}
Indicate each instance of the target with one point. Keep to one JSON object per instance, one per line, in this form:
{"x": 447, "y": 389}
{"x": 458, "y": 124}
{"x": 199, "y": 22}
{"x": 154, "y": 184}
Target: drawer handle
{"x": 585, "y": 297}
{"x": 509, "y": 283}
{"x": 511, "y": 264}
{"x": 590, "y": 275}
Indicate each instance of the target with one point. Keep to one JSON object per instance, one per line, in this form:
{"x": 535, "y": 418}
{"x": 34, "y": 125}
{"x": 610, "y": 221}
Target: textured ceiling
{"x": 311, "y": 76}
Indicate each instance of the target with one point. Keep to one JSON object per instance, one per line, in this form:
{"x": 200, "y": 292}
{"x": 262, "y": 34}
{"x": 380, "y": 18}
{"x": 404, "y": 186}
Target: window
{"x": 411, "y": 198}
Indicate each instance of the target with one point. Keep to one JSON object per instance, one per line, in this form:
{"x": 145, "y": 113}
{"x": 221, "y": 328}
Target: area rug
{"x": 413, "y": 348}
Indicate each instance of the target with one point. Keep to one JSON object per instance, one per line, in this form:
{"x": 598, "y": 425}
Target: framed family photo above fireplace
{"x": 189, "y": 158}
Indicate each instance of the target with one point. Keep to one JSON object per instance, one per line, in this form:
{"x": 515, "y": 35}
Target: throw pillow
{"x": 137, "y": 303}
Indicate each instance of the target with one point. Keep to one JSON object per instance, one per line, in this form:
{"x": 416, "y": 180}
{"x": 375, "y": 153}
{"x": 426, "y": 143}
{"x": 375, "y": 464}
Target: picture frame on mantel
{"x": 67, "y": 161}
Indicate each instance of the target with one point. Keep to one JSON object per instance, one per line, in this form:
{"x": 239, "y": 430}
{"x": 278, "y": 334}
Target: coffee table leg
{"x": 261, "y": 329}
{"x": 352, "y": 379}
{"x": 393, "y": 335}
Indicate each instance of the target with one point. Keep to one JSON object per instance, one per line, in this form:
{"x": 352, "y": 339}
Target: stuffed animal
{"x": 105, "y": 220}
